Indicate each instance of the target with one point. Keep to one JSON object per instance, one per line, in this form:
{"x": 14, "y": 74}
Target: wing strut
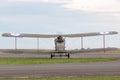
{"x": 81, "y": 43}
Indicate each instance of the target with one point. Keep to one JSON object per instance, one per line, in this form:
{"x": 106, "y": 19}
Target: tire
{"x": 51, "y": 56}
{"x": 68, "y": 55}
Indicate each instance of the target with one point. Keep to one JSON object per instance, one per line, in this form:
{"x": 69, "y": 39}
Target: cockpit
{"x": 60, "y": 39}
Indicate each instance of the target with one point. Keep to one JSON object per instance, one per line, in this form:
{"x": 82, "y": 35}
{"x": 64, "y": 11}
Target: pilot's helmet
{"x": 59, "y": 37}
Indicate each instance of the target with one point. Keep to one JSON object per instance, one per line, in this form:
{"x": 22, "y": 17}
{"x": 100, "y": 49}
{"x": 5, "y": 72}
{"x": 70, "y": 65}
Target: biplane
{"x": 59, "y": 41}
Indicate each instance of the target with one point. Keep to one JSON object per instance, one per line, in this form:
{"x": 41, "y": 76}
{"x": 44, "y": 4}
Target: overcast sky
{"x": 59, "y": 16}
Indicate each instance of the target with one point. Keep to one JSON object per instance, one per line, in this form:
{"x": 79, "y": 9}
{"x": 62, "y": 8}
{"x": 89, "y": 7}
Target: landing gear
{"x": 52, "y": 55}
{"x": 68, "y": 55}
{"x": 60, "y": 55}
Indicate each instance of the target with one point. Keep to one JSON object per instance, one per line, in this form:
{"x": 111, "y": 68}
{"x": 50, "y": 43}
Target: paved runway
{"x": 64, "y": 69}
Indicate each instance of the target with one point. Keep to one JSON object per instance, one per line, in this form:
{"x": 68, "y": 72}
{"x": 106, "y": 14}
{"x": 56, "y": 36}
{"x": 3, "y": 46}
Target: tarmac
{"x": 109, "y": 68}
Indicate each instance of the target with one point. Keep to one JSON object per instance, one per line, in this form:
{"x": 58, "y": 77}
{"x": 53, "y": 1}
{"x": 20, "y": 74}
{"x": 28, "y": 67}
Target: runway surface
{"x": 63, "y": 69}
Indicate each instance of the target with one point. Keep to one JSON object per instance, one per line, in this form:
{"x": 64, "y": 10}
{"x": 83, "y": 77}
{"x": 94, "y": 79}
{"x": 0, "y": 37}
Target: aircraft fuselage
{"x": 60, "y": 47}
{"x": 60, "y": 44}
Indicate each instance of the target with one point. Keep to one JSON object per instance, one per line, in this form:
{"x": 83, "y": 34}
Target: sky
{"x": 60, "y": 17}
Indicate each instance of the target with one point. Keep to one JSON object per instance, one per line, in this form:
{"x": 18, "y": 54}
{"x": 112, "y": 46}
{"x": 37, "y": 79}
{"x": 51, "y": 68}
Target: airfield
{"x": 109, "y": 68}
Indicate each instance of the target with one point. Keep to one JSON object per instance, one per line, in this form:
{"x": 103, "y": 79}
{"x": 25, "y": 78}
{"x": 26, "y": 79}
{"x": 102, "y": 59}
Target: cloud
{"x": 94, "y": 5}
{"x": 50, "y": 1}
{"x": 84, "y": 5}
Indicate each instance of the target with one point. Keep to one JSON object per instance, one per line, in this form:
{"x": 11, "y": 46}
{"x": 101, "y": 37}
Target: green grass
{"x": 48, "y": 60}
{"x": 73, "y": 78}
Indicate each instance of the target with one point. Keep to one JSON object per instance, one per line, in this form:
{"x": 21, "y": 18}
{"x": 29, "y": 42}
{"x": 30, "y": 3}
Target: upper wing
{"x": 56, "y": 35}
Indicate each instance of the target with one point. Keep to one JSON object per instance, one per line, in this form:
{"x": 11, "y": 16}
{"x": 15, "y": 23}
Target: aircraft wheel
{"x": 51, "y": 56}
{"x": 68, "y": 55}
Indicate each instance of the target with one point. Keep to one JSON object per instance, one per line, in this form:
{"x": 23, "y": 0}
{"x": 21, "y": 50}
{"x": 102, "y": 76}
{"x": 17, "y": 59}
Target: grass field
{"x": 48, "y": 60}
{"x": 73, "y": 78}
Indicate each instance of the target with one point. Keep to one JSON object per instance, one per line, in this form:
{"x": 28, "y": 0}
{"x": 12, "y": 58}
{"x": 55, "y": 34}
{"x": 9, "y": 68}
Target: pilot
{"x": 60, "y": 39}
